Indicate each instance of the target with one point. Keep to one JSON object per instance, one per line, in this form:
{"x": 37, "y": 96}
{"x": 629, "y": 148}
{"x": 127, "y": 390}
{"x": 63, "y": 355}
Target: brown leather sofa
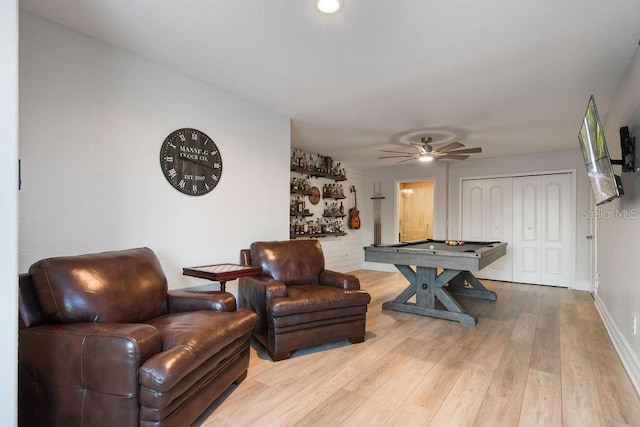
{"x": 299, "y": 303}
{"x": 103, "y": 343}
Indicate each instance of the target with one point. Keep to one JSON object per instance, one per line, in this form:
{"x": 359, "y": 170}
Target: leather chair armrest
{"x": 102, "y": 357}
{"x": 257, "y": 292}
{"x": 339, "y": 280}
{"x": 263, "y": 288}
{"x": 180, "y": 301}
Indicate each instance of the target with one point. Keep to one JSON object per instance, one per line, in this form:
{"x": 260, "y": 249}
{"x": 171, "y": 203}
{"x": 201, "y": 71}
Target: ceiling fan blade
{"x": 399, "y": 152}
{"x": 408, "y": 160}
{"x": 395, "y": 157}
{"x": 453, "y": 157}
{"x": 467, "y": 151}
{"x": 449, "y": 147}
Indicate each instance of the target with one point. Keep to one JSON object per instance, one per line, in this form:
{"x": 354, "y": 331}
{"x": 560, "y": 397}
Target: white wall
{"x": 388, "y": 179}
{"x": 343, "y": 253}
{"x": 447, "y": 204}
{"x": 92, "y": 120}
{"x": 543, "y": 162}
{"x": 618, "y": 252}
{"x": 9, "y": 211}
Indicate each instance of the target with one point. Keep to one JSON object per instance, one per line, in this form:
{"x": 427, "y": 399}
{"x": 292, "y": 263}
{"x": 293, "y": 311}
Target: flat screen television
{"x": 605, "y": 185}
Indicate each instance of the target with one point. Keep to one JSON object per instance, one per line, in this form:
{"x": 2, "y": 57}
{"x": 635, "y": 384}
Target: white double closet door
{"x": 533, "y": 215}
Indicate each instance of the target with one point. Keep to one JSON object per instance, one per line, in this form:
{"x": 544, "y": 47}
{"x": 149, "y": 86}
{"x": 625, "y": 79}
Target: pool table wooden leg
{"x": 428, "y": 286}
{"x": 476, "y": 289}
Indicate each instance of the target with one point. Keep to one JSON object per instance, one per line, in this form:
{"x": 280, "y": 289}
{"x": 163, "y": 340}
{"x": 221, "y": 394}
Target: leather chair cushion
{"x": 188, "y": 340}
{"x": 292, "y": 262}
{"x": 125, "y": 286}
{"x": 313, "y": 298}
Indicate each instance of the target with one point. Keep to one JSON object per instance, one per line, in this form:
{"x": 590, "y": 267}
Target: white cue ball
{"x": 431, "y": 247}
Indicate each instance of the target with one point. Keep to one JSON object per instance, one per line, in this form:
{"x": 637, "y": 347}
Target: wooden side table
{"x": 221, "y": 272}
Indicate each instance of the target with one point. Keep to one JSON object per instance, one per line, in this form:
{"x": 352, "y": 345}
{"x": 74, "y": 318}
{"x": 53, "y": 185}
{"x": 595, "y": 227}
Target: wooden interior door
{"x": 415, "y": 210}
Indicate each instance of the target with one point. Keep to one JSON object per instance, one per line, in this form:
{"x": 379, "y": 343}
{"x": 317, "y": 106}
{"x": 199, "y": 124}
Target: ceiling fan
{"x": 426, "y": 152}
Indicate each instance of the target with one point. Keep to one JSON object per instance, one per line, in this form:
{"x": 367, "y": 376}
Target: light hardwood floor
{"x": 539, "y": 356}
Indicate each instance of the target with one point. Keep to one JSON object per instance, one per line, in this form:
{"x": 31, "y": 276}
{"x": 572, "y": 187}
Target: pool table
{"x": 419, "y": 261}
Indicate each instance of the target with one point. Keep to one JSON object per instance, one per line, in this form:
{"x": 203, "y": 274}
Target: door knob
{"x": 590, "y": 237}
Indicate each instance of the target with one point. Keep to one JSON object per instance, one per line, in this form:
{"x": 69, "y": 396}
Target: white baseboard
{"x": 377, "y": 266}
{"x": 629, "y": 359}
{"x": 581, "y": 285}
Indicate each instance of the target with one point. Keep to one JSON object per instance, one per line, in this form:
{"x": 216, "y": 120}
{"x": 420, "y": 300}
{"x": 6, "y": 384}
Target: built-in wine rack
{"x": 308, "y": 188}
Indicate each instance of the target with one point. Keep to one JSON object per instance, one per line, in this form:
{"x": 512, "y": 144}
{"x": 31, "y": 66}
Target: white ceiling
{"x": 510, "y": 76}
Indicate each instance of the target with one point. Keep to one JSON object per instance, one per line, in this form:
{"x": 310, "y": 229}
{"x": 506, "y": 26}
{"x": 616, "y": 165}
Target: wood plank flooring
{"x": 539, "y": 356}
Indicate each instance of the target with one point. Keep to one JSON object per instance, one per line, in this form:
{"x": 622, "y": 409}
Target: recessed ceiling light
{"x": 328, "y": 6}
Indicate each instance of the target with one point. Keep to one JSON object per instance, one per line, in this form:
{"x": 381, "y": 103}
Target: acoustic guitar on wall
{"x": 354, "y": 218}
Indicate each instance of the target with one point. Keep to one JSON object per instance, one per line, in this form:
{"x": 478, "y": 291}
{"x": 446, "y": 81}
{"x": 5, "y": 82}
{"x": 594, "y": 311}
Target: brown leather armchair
{"x": 299, "y": 303}
{"x": 103, "y": 343}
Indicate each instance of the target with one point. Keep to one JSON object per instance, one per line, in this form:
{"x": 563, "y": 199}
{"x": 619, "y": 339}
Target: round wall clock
{"x": 191, "y": 161}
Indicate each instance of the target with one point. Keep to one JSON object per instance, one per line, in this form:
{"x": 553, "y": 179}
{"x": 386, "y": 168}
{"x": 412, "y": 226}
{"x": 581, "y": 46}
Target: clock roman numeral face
{"x": 191, "y": 162}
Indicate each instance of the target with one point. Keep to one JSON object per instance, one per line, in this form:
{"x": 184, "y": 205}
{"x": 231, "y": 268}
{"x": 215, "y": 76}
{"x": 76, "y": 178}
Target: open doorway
{"x": 415, "y": 210}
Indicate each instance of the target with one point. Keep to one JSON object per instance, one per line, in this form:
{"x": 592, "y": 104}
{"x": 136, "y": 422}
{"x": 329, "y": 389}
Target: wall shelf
{"x": 315, "y": 235}
{"x": 309, "y": 184}
{"x": 318, "y": 174}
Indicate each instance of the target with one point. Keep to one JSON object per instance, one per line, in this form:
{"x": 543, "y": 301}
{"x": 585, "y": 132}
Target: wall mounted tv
{"x": 605, "y": 185}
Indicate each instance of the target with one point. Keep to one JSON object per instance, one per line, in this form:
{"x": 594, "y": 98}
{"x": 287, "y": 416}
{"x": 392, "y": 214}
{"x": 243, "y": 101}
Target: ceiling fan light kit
{"x": 426, "y": 152}
{"x": 328, "y": 6}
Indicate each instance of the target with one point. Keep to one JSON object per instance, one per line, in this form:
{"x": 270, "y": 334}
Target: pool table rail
{"x": 435, "y": 274}
{"x": 455, "y": 257}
